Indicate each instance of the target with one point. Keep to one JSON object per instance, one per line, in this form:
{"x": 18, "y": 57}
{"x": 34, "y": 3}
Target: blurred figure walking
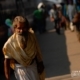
{"x": 54, "y": 17}
{"x": 39, "y": 19}
{"x": 76, "y": 22}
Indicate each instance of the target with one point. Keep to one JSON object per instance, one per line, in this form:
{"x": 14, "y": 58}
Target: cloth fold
{"x": 24, "y": 57}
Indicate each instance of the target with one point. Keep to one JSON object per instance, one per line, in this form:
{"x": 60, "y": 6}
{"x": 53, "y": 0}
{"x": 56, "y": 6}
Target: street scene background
{"x": 61, "y": 53}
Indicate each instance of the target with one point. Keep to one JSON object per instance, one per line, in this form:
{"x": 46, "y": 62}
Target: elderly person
{"x": 22, "y": 53}
{"x": 39, "y": 18}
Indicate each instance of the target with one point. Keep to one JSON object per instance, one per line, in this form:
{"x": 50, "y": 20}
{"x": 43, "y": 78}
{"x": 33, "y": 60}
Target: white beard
{"x": 22, "y": 40}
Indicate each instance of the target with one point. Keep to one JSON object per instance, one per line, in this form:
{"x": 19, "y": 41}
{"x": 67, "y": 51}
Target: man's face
{"x": 21, "y": 29}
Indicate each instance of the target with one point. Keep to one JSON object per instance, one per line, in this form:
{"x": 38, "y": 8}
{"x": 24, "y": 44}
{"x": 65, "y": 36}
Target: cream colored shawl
{"x": 24, "y": 57}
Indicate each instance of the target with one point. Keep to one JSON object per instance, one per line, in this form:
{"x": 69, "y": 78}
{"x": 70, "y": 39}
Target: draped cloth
{"x": 29, "y": 73}
{"x": 13, "y": 50}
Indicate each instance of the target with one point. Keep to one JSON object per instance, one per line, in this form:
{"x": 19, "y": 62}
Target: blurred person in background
{"x": 63, "y": 23}
{"x": 76, "y": 23}
{"x": 54, "y": 17}
{"x": 8, "y": 23}
{"x": 71, "y": 10}
{"x": 39, "y": 18}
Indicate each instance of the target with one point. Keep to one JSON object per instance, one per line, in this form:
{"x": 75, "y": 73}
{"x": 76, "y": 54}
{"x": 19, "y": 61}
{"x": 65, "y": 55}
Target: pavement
{"x": 61, "y": 54}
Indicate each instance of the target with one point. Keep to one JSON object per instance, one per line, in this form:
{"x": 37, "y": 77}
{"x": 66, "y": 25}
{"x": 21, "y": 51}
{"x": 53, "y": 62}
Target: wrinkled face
{"x": 21, "y": 29}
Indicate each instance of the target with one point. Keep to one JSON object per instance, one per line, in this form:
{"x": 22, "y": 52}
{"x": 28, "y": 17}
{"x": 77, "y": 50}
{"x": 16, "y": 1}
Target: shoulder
{"x": 31, "y": 30}
{"x": 10, "y": 40}
{"x": 32, "y": 35}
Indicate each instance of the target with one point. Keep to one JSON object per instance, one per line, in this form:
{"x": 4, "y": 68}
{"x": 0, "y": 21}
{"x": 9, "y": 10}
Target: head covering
{"x": 23, "y": 19}
{"x": 18, "y": 19}
{"x": 39, "y": 5}
{"x": 58, "y": 6}
{"x": 8, "y": 22}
